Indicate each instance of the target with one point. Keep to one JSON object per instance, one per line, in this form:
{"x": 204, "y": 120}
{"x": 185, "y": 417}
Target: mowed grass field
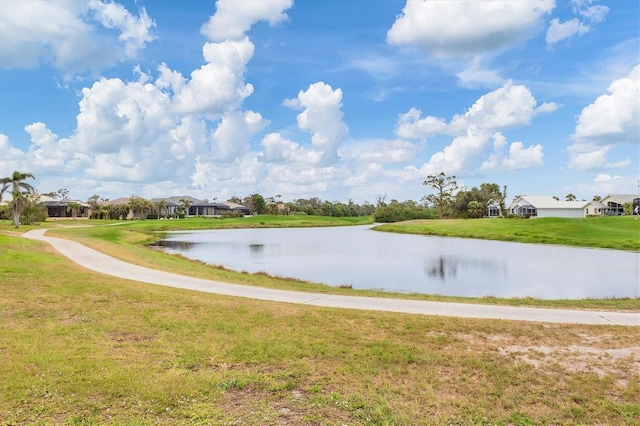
{"x": 84, "y": 348}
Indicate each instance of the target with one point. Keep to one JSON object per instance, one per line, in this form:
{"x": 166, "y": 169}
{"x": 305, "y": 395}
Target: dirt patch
{"x": 581, "y": 359}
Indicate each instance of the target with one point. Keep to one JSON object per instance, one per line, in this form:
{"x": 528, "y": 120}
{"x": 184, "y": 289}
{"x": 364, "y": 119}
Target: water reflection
{"x": 256, "y": 248}
{"x": 442, "y": 268}
{"x": 368, "y": 259}
{"x": 178, "y": 245}
{"x": 448, "y": 266}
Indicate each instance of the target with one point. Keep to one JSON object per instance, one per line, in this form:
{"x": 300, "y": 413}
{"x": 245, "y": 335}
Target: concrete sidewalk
{"x": 99, "y": 262}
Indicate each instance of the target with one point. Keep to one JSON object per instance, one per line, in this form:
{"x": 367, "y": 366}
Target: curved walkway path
{"x": 99, "y": 262}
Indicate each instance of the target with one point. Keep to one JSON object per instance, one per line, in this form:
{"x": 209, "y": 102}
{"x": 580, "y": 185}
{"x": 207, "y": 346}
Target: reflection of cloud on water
{"x": 448, "y": 266}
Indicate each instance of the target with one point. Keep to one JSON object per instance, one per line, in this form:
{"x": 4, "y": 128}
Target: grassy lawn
{"x": 84, "y": 348}
{"x": 620, "y": 233}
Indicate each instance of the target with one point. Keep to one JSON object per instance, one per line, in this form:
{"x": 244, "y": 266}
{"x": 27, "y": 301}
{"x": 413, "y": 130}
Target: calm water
{"x": 367, "y": 259}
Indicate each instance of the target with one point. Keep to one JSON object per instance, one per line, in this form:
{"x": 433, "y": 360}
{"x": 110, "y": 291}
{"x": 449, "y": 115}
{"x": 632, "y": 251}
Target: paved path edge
{"x": 100, "y": 262}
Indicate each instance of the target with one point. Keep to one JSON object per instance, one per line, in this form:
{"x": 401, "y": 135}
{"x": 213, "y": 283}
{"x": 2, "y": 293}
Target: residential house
{"x": 172, "y": 205}
{"x": 492, "y": 210}
{"x": 595, "y": 208}
{"x": 199, "y": 207}
{"x": 614, "y": 203}
{"x": 60, "y": 209}
{"x": 543, "y": 206}
{"x": 217, "y": 209}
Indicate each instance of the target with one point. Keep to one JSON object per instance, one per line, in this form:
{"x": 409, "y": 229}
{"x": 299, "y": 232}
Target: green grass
{"x": 619, "y": 233}
{"x": 84, "y": 348}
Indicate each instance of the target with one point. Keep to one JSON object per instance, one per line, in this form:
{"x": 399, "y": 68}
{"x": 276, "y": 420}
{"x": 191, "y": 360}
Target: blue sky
{"x": 332, "y": 99}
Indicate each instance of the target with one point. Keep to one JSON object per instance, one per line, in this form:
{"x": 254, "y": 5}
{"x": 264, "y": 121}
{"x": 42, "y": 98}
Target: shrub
{"x": 5, "y": 213}
{"x": 33, "y": 214}
{"x": 397, "y": 212}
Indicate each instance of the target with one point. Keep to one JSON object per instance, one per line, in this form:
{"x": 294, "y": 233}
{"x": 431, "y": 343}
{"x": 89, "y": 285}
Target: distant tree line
{"x": 305, "y": 206}
{"x": 396, "y": 211}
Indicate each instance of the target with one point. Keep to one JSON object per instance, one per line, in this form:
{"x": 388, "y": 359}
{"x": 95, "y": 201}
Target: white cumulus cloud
{"x": 510, "y": 106}
{"x": 466, "y": 28}
{"x": 217, "y": 85}
{"x": 612, "y": 119}
{"x": 518, "y": 157}
{"x": 586, "y": 16}
{"x": 560, "y": 30}
{"x": 411, "y": 126}
{"x": 134, "y": 31}
{"x": 322, "y": 117}
{"x": 234, "y": 18}
{"x": 73, "y": 36}
{"x": 231, "y": 138}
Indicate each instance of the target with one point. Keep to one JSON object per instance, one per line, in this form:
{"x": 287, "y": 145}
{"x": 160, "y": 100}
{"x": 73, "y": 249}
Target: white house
{"x": 543, "y": 206}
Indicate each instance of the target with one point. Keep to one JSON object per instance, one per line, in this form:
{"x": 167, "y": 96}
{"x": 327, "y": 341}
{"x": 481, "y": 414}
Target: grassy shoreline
{"x": 85, "y": 348}
{"x": 617, "y": 233}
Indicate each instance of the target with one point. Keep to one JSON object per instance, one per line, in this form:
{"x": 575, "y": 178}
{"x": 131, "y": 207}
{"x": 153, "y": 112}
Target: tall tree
{"x": 19, "y": 190}
{"x": 63, "y": 193}
{"x": 570, "y": 197}
{"x": 256, "y": 204}
{"x": 93, "y": 201}
{"x": 445, "y": 187}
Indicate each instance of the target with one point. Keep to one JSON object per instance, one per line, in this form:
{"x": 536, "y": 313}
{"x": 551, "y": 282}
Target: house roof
{"x": 235, "y": 206}
{"x": 214, "y": 204}
{"x": 117, "y": 201}
{"x": 597, "y": 204}
{"x": 546, "y": 202}
{"x": 621, "y": 198}
{"x": 63, "y": 203}
{"x": 176, "y": 199}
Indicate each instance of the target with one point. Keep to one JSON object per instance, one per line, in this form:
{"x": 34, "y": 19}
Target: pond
{"x": 366, "y": 259}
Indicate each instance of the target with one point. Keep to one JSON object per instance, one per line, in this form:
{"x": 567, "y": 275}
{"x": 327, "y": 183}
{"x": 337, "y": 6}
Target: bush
{"x": 398, "y": 213}
{"x": 5, "y": 213}
{"x": 33, "y": 214}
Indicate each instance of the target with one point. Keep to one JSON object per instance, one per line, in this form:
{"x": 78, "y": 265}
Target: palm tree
{"x": 74, "y": 207}
{"x": 184, "y": 206}
{"x": 474, "y": 209}
{"x": 162, "y": 205}
{"x": 18, "y": 190}
{"x": 570, "y": 197}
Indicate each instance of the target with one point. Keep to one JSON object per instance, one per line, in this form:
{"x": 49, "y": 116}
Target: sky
{"x": 341, "y": 100}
